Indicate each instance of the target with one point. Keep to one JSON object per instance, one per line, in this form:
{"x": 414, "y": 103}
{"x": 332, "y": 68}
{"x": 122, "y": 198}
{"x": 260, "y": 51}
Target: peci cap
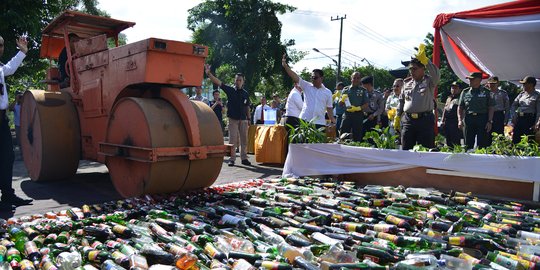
{"x": 493, "y": 79}
{"x": 475, "y": 75}
{"x": 367, "y": 79}
{"x": 529, "y": 79}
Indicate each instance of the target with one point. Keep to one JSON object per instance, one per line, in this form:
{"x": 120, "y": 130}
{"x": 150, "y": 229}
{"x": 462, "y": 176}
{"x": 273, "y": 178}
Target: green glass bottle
{"x": 375, "y": 255}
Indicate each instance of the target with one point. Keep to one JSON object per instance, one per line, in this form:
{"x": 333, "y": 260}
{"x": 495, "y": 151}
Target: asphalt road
{"x": 92, "y": 185}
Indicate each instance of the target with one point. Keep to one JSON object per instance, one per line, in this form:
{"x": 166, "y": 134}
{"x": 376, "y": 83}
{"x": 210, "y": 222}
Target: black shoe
{"x": 246, "y": 162}
{"x": 230, "y": 163}
{"x": 4, "y": 206}
{"x": 18, "y": 201}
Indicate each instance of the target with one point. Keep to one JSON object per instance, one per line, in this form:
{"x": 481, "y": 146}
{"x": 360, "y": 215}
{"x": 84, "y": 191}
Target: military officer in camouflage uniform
{"x": 475, "y": 112}
{"x": 416, "y": 105}
{"x": 501, "y": 108}
{"x": 353, "y": 118}
{"x": 525, "y": 110}
{"x": 375, "y": 105}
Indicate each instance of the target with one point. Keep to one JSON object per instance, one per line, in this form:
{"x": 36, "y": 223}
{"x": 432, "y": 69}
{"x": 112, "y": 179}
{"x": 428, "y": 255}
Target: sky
{"x": 376, "y": 32}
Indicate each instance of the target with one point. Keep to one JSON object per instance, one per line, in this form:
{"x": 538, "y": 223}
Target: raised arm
{"x": 213, "y": 78}
{"x": 289, "y": 71}
{"x": 434, "y": 73}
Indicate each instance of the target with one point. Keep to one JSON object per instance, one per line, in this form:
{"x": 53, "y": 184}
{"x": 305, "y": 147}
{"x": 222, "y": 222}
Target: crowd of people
{"x": 408, "y": 109}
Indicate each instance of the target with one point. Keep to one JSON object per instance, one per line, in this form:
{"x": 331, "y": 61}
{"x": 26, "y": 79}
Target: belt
{"x": 418, "y": 115}
{"x": 521, "y": 114}
{"x": 475, "y": 113}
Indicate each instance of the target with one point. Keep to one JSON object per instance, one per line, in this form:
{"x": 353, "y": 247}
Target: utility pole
{"x": 340, "y": 41}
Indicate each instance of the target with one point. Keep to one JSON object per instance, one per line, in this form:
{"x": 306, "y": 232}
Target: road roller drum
{"x": 50, "y": 135}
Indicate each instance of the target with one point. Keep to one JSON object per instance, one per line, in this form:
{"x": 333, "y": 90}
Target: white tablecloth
{"x": 331, "y": 159}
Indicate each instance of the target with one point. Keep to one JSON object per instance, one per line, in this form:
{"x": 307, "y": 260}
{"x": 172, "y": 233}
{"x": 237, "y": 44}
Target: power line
{"x": 381, "y": 40}
{"x": 365, "y": 31}
{"x": 375, "y": 33}
{"x": 360, "y": 26}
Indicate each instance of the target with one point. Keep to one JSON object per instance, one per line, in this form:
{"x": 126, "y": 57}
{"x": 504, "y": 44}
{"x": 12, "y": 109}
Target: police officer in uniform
{"x": 354, "y": 114}
{"x": 502, "y": 106}
{"x": 526, "y": 110}
{"x": 375, "y": 106}
{"x": 416, "y": 103}
{"x": 449, "y": 120}
{"x": 475, "y": 112}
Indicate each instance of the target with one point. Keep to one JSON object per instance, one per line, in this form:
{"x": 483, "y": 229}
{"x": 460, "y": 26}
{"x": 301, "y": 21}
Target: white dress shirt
{"x": 258, "y": 112}
{"x": 6, "y": 70}
{"x": 294, "y": 104}
{"x": 316, "y": 101}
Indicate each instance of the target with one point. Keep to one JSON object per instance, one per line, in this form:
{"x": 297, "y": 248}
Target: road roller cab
{"x": 123, "y": 107}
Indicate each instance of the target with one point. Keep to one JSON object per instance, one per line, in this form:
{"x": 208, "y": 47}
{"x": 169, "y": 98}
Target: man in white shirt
{"x": 293, "y": 107}
{"x": 317, "y": 98}
{"x": 198, "y": 96}
{"x": 260, "y": 110}
{"x": 7, "y": 156}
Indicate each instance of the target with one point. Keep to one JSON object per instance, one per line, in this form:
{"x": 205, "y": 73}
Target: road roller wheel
{"x": 50, "y": 135}
{"x": 154, "y": 123}
{"x": 204, "y": 172}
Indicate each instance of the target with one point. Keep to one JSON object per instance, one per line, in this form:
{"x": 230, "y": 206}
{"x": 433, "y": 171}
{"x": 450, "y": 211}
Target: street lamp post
{"x": 334, "y": 60}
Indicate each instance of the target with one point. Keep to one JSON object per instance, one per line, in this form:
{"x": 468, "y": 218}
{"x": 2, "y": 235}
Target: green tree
{"x": 29, "y": 17}
{"x": 245, "y": 35}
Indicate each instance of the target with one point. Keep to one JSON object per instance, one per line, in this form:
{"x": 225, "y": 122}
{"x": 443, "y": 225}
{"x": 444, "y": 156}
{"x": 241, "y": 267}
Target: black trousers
{"x": 7, "y": 157}
{"x": 294, "y": 122}
{"x": 524, "y": 126}
{"x": 498, "y": 123}
{"x": 352, "y": 121}
{"x": 368, "y": 126}
{"x": 418, "y": 131}
{"x": 452, "y": 132}
{"x": 475, "y": 130}
{"x": 384, "y": 120}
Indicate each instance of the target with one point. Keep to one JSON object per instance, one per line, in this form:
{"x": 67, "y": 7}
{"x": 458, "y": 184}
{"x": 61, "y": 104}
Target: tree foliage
{"x": 245, "y": 35}
{"x": 29, "y": 17}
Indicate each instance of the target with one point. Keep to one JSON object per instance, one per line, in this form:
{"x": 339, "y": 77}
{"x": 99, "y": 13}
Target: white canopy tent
{"x": 501, "y": 40}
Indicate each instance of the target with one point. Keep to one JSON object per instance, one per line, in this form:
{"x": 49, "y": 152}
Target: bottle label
{"x": 210, "y": 249}
{"x": 119, "y": 229}
{"x": 228, "y": 219}
{"x": 381, "y": 228}
{"x": 269, "y": 265}
{"x": 387, "y": 236}
{"x": 378, "y": 203}
{"x": 456, "y": 240}
{"x": 372, "y": 258}
{"x": 351, "y": 227}
{"x": 395, "y": 220}
{"x": 424, "y": 203}
{"x": 491, "y": 228}
{"x": 92, "y": 255}
{"x": 188, "y": 218}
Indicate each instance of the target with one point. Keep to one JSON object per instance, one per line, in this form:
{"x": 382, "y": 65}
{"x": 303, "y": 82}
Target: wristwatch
{"x": 490, "y": 121}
